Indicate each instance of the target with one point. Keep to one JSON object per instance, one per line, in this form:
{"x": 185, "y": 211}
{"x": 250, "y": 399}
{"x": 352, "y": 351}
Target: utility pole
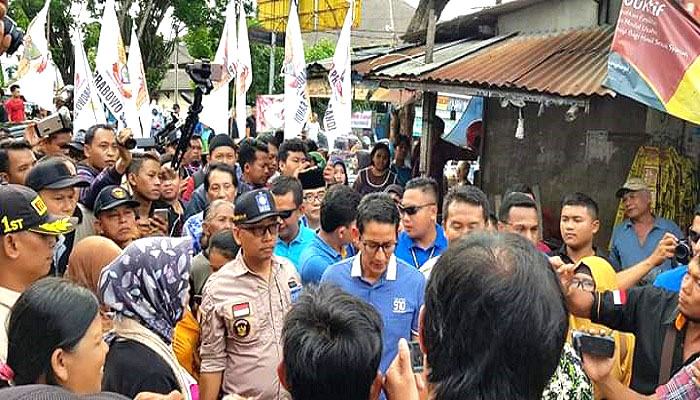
{"x": 271, "y": 77}
{"x": 429, "y": 98}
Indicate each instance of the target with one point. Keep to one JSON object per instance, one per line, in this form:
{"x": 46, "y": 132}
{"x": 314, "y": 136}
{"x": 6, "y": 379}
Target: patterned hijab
{"x": 148, "y": 282}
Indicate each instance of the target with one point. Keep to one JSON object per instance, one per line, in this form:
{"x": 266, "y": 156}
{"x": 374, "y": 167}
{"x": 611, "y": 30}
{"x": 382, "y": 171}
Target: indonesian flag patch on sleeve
{"x": 619, "y": 297}
{"x": 241, "y": 310}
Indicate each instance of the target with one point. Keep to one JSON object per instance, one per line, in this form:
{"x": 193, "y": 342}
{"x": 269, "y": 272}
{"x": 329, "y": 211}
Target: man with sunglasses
{"x": 422, "y": 237}
{"x": 378, "y": 277}
{"x": 671, "y": 280}
{"x": 293, "y": 237}
{"x": 244, "y": 306}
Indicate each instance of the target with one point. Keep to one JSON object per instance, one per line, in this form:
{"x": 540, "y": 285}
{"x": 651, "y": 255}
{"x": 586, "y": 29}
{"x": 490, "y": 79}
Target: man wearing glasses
{"x": 671, "y": 280}
{"x": 314, "y": 189}
{"x": 244, "y": 306}
{"x": 293, "y": 237}
{"x": 375, "y": 275}
{"x": 422, "y": 237}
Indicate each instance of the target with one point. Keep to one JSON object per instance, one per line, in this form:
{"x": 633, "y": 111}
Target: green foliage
{"x": 322, "y": 50}
{"x": 260, "y": 59}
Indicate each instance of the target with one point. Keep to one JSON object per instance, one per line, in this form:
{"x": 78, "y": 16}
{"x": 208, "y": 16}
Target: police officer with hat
{"x": 115, "y": 215}
{"x": 244, "y": 305}
{"x": 27, "y": 238}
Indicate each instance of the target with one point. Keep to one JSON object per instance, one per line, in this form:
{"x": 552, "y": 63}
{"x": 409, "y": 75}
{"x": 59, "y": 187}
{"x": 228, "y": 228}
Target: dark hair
{"x": 137, "y": 160}
{"x": 90, "y": 133}
{"x": 311, "y": 145}
{"x": 284, "y": 184}
{"x": 582, "y": 200}
{"x": 519, "y": 188}
{"x": 219, "y": 167}
{"x": 248, "y": 148}
{"x": 13, "y": 87}
{"x": 466, "y": 194}
{"x": 483, "y": 284}
{"x": 332, "y": 345}
{"x": 224, "y": 243}
{"x": 345, "y": 169}
{"x": 493, "y": 220}
{"x": 516, "y": 199}
{"x": 377, "y": 207}
{"x": 339, "y": 207}
{"x": 425, "y": 185}
{"x": 402, "y": 140}
{"x": 379, "y": 146}
{"x": 289, "y": 146}
{"x": 439, "y": 124}
{"x": 8, "y": 145}
{"x": 52, "y": 313}
{"x": 269, "y": 139}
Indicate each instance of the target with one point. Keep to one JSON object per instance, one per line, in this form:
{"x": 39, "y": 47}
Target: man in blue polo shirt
{"x": 334, "y": 240}
{"x": 293, "y": 238}
{"x": 393, "y": 287}
{"x": 671, "y": 280}
{"x": 636, "y": 238}
{"x": 422, "y": 238}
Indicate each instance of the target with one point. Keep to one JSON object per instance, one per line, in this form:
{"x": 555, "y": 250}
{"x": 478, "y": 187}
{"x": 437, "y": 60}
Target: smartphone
{"x": 601, "y": 346}
{"x": 162, "y": 214}
{"x": 416, "y": 356}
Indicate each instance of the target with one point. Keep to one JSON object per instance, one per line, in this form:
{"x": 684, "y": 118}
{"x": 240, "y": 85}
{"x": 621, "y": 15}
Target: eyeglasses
{"x": 373, "y": 247}
{"x": 262, "y": 230}
{"x": 583, "y": 284}
{"x": 318, "y": 196}
{"x": 413, "y": 210}
{"x": 285, "y": 214}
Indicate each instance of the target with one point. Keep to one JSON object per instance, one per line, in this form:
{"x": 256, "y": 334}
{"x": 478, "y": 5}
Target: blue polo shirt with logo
{"x": 292, "y": 250}
{"x": 397, "y": 295}
{"x": 412, "y": 254}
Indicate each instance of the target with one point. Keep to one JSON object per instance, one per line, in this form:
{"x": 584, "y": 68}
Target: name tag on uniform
{"x": 294, "y": 290}
{"x": 241, "y": 310}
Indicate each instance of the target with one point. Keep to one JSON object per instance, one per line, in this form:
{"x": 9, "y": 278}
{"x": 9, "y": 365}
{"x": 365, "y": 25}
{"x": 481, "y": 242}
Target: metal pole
{"x": 177, "y": 65}
{"x": 271, "y": 77}
{"x": 429, "y": 99}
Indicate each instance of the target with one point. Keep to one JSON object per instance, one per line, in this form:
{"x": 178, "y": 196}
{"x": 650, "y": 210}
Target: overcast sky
{"x": 456, "y": 8}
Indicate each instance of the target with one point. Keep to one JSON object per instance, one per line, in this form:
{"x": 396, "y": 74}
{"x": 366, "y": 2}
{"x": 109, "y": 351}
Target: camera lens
{"x": 130, "y": 144}
{"x": 16, "y": 34}
{"x": 683, "y": 252}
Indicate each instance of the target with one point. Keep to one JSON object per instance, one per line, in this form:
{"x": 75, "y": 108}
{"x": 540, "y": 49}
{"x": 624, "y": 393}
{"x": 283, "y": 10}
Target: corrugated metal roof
{"x": 571, "y": 63}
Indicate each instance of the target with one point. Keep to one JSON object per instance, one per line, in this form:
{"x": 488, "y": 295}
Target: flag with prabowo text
{"x": 297, "y": 106}
{"x": 111, "y": 76}
{"x": 36, "y": 74}
{"x": 215, "y": 112}
{"x": 138, "y": 86}
{"x": 337, "y": 119}
{"x": 654, "y": 57}
{"x": 244, "y": 70}
{"x": 87, "y": 107}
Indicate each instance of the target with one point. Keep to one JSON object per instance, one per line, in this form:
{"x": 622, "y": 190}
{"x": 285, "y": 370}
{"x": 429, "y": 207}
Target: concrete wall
{"x": 549, "y": 16}
{"x": 592, "y": 154}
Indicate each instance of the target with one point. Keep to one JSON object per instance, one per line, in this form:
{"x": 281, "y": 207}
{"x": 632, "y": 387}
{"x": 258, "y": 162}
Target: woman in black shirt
{"x": 377, "y": 176}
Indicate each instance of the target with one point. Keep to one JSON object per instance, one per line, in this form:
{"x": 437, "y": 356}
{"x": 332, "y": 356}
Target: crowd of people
{"x": 257, "y": 269}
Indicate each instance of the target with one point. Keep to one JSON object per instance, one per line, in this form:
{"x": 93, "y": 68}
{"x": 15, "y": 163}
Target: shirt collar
{"x": 239, "y": 268}
{"x": 440, "y": 240}
{"x": 8, "y": 297}
{"x": 390, "y": 273}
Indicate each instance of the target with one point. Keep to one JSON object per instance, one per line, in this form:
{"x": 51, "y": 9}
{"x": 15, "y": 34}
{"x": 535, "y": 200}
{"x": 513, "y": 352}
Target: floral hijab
{"x": 148, "y": 282}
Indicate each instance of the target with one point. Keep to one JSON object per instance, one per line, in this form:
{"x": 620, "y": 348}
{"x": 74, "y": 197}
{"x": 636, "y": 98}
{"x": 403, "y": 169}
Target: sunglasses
{"x": 287, "y": 213}
{"x": 412, "y": 210}
{"x": 262, "y": 230}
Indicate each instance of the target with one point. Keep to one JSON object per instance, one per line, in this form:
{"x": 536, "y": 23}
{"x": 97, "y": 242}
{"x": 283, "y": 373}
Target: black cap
{"x": 112, "y": 197}
{"x": 21, "y": 209}
{"x": 53, "y": 174}
{"x": 221, "y": 140}
{"x": 78, "y": 141}
{"x": 254, "y": 206}
{"x": 312, "y": 179}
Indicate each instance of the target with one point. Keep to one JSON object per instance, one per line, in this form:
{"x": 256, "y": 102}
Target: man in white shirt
{"x": 466, "y": 209}
{"x": 27, "y": 237}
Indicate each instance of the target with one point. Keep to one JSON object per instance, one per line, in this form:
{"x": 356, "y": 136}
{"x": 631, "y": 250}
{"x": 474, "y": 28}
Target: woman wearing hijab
{"x": 85, "y": 264}
{"x": 595, "y": 274}
{"x": 146, "y": 287}
{"x": 340, "y": 172}
{"x": 377, "y": 176}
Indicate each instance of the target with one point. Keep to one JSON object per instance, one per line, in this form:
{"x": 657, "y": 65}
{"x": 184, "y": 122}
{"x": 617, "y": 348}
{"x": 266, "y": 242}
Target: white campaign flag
{"x": 215, "y": 105}
{"x": 87, "y": 107}
{"x": 36, "y": 76}
{"x": 111, "y": 76}
{"x": 297, "y": 107}
{"x": 338, "y": 115}
{"x": 244, "y": 71}
{"x": 138, "y": 84}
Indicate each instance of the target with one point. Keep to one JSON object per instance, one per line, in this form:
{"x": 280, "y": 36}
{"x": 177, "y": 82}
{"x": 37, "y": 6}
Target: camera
{"x": 129, "y": 144}
{"x": 203, "y": 72}
{"x": 601, "y": 346}
{"x": 16, "y": 34}
{"x": 54, "y": 123}
{"x": 683, "y": 252}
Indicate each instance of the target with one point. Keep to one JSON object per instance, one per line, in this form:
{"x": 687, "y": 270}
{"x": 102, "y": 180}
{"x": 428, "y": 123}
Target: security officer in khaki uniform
{"x": 244, "y": 305}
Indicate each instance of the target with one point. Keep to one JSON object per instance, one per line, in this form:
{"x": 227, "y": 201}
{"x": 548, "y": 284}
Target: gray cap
{"x": 46, "y": 392}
